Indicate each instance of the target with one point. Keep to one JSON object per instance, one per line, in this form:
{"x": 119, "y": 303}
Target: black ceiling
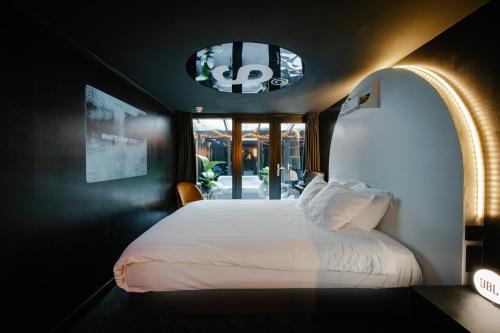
{"x": 339, "y": 41}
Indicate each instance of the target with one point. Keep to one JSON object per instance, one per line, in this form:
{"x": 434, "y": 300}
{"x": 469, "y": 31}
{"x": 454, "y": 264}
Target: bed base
{"x": 390, "y": 301}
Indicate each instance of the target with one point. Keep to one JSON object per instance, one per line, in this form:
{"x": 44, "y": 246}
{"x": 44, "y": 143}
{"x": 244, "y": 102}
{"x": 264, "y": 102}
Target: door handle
{"x": 278, "y": 168}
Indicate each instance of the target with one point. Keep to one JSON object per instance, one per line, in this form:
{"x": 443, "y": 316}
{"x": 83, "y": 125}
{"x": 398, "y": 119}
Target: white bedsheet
{"x": 256, "y": 235}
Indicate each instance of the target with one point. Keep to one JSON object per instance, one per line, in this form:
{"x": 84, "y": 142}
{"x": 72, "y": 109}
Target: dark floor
{"x": 112, "y": 315}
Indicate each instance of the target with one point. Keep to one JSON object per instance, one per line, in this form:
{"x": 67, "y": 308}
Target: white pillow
{"x": 335, "y": 206}
{"x": 311, "y": 190}
{"x": 370, "y": 217}
{"x": 344, "y": 182}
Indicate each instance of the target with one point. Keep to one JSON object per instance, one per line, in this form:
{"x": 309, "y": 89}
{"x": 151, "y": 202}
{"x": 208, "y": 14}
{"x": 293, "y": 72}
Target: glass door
{"x": 272, "y": 159}
{"x": 257, "y": 157}
{"x": 291, "y": 165}
{"x": 255, "y": 160}
{"x": 213, "y": 142}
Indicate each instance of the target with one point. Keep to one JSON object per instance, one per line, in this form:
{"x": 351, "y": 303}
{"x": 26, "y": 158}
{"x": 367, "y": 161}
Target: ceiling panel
{"x": 339, "y": 42}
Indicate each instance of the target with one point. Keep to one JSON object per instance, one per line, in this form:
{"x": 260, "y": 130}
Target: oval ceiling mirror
{"x": 245, "y": 67}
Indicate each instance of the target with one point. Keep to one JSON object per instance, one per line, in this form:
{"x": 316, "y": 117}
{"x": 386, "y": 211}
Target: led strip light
{"x": 436, "y": 80}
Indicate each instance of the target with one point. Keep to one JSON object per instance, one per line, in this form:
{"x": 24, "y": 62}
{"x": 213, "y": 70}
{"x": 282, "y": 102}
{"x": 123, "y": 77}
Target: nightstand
{"x": 453, "y": 309}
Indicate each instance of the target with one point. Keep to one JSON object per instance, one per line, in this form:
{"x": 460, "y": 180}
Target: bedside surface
{"x": 464, "y": 306}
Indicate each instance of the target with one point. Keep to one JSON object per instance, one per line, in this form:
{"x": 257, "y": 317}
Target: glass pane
{"x": 255, "y": 161}
{"x": 213, "y": 141}
{"x": 292, "y": 158}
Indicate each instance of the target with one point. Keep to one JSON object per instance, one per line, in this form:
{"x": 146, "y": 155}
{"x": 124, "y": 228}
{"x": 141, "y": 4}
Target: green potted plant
{"x": 264, "y": 173}
{"x": 208, "y": 176}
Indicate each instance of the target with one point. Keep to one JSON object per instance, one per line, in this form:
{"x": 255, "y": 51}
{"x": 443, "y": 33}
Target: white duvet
{"x": 255, "y": 234}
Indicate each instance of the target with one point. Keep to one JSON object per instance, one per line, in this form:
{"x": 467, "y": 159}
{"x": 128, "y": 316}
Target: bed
{"x": 245, "y": 244}
{"x": 262, "y": 256}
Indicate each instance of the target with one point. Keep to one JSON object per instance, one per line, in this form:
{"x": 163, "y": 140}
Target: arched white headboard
{"x": 410, "y": 146}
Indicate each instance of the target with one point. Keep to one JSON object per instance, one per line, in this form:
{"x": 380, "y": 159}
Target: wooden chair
{"x": 187, "y": 192}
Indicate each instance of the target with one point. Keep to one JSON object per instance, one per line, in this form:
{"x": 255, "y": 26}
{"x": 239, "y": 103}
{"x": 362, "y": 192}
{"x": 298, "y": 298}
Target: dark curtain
{"x": 312, "y": 142}
{"x": 186, "y": 169}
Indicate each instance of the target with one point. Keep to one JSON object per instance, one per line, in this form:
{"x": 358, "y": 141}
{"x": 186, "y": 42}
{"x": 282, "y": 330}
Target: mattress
{"x": 242, "y": 244}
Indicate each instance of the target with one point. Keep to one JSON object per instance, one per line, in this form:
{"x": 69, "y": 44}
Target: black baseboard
{"x": 85, "y": 307}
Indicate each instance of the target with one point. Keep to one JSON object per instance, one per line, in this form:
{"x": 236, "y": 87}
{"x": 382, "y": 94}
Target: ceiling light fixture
{"x": 245, "y": 67}
{"x": 199, "y": 109}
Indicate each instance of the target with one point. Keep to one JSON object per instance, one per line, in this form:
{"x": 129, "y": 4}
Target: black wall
{"x": 469, "y": 51}
{"x": 61, "y": 236}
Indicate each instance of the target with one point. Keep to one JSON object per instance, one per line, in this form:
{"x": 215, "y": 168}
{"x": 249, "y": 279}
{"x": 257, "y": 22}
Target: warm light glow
{"x": 445, "y": 88}
{"x": 487, "y": 283}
